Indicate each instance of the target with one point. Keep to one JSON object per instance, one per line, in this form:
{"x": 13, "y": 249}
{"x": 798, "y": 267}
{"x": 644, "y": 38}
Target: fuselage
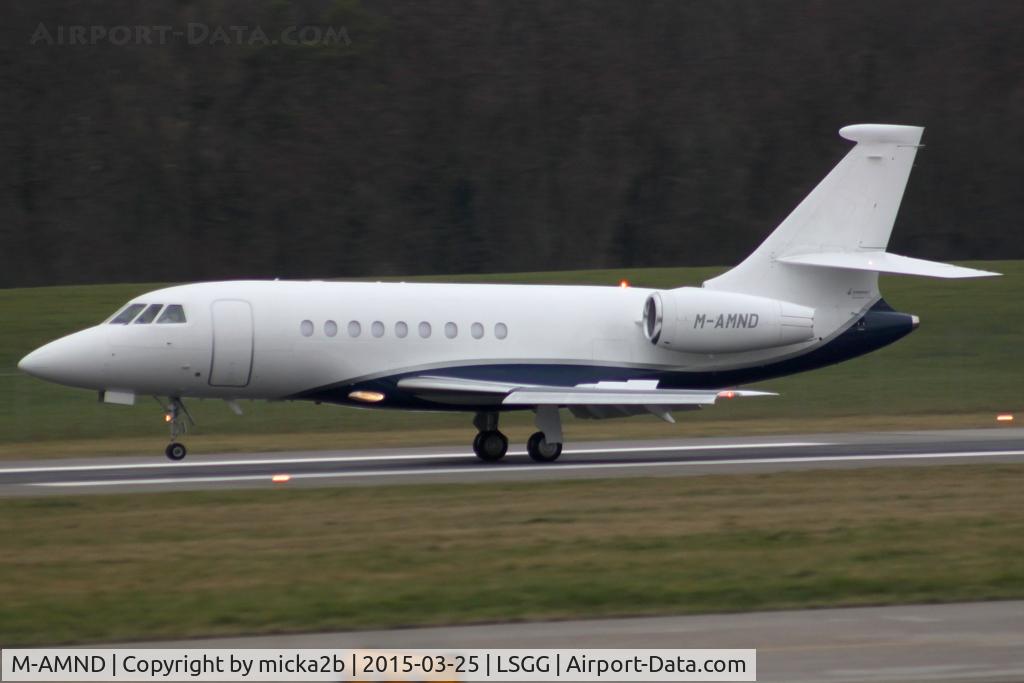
{"x": 322, "y": 341}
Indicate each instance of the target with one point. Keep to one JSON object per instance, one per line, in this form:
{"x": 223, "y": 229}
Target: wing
{"x": 600, "y": 400}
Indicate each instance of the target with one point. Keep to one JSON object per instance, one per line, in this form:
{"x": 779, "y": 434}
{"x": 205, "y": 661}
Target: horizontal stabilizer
{"x": 883, "y": 262}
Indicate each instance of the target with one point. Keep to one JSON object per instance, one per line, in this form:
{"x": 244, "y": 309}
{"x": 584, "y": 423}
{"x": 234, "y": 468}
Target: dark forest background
{"x": 489, "y": 135}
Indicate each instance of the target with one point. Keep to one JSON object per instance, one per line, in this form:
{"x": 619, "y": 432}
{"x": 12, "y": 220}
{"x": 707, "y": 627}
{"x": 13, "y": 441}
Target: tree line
{"x": 484, "y": 135}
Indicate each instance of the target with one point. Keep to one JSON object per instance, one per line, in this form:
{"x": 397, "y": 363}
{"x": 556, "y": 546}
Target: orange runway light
{"x": 1004, "y": 417}
{"x": 167, "y": 417}
{"x": 623, "y": 283}
{"x": 281, "y": 478}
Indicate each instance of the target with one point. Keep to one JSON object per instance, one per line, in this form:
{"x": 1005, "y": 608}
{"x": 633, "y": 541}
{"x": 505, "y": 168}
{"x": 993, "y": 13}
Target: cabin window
{"x": 477, "y": 330}
{"x": 451, "y": 330}
{"x": 501, "y": 330}
{"x": 306, "y": 328}
{"x": 377, "y": 329}
{"x": 174, "y": 313}
{"x": 425, "y": 329}
{"x": 401, "y": 330}
{"x": 330, "y": 328}
{"x": 149, "y": 315}
{"x": 354, "y": 328}
{"x": 127, "y": 315}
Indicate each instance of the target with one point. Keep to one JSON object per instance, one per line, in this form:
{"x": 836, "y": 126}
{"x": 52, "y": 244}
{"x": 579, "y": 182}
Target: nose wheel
{"x": 177, "y": 416}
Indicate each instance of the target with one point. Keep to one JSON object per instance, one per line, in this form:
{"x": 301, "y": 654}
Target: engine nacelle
{"x": 707, "y": 321}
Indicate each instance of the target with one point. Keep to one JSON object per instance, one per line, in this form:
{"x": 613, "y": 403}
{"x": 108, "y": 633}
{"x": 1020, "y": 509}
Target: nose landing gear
{"x": 173, "y": 415}
{"x": 176, "y": 451}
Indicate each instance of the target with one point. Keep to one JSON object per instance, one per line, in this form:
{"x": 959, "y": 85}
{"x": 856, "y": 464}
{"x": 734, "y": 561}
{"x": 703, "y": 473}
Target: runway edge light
{"x": 1004, "y": 417}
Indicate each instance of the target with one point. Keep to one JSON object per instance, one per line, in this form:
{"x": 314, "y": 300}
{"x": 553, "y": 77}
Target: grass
{"x": 103, "y": 568}
{"x": 959, "y": 369}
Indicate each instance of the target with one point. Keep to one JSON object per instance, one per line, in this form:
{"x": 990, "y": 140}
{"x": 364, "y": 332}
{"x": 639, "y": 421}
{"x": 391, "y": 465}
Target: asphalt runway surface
{"x": 957, "y": 642}
{"x": 981, "y": 641}
{"x": 580, "y": 460}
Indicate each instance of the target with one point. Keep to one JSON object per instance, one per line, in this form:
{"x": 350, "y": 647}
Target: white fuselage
{"x": 270, "y": 339}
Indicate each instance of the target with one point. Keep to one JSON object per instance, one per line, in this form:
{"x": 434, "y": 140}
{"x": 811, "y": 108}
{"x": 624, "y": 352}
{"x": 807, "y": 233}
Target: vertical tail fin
{"x": 852, "y": 210}
{"x": 828, "y": 252}
{"x": 855, "y": 206}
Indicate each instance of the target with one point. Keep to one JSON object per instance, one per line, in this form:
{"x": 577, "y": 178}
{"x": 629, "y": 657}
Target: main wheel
{"x": 490, "y": 446}
{"x": 176, "y": 451}
{"x": 542, "y": 451}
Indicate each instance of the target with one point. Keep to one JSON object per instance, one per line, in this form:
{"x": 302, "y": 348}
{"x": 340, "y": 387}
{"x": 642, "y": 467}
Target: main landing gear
{"x": 546, "y": 444}
{"x": 176, "y": 415}
{"x": 542, "y": 451}
{"x": 490, "y": 445}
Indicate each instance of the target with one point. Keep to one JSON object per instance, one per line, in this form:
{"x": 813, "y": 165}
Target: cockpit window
{"x": 149, "y": 314}
{"x": 127, "y": 315}
{"x": 172, "y": 314}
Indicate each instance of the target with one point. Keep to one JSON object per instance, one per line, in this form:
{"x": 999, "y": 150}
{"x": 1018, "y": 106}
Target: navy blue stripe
{"x": 879, "y": 327}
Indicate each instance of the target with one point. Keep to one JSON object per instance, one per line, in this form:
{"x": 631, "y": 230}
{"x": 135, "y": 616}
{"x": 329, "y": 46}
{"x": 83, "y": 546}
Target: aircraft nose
{"x": 32, "y": 363}
{"x": 76, "y": 360}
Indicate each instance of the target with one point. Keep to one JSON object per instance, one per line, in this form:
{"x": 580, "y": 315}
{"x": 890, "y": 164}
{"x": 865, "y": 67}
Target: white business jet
{"x": 806, "y": 298}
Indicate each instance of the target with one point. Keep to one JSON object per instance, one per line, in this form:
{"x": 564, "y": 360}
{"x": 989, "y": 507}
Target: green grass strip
{"x": 103, "y": 568}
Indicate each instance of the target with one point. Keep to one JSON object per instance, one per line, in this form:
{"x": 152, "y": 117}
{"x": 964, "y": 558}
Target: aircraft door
{"x": 231, "y": 365}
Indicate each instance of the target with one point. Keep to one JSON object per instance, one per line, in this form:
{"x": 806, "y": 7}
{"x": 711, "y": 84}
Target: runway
{"x": 981, "y": 641}
{"x": 682, "y": 457}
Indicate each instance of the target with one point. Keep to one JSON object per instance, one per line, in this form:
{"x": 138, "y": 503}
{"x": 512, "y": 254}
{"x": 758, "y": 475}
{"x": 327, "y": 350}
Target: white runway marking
{"x": 375, "y": 458}
{"x": 538, "y": 468}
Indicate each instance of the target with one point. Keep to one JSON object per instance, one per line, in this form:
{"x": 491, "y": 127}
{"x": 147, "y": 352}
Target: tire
{"x": 490, "y": 446}
{"x": 542, "y": 451}
{"x": 176, "y": 451}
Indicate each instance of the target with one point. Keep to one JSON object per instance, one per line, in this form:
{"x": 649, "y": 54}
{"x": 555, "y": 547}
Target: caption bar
{"x": 269, "y": 664}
